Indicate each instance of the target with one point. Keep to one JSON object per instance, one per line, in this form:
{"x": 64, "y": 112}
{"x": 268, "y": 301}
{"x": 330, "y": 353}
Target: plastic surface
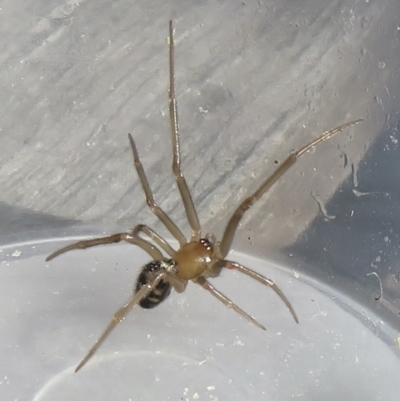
{"x": 255, "y": 80}
{"x": 190, "y": 347}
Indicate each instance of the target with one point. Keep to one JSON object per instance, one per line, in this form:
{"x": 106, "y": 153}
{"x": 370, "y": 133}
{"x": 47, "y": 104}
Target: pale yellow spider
{"x": 196, "y": 259}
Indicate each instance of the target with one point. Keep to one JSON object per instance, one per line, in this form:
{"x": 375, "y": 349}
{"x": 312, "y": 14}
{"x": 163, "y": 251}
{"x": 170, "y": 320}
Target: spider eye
{"x": 206, "y": 243}
{"x": 160, "y": 292}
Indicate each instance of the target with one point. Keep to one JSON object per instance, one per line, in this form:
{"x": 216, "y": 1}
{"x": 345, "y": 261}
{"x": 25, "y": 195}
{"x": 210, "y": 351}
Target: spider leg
{"x": 120, "y": 315}
{"x": 263, "y": 280}
{"x": 176, "y": 162}
{"x": 234, "y": 221}
{"x": 226, "y": 301}
{"x": 155, "y": 209}
{"x": 112, "y": 239}
{"x": 179, "y": 284}
{"x": 155, "y": 237}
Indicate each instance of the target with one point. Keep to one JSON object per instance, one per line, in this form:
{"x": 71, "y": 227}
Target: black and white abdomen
{"x": 161, "y": 291}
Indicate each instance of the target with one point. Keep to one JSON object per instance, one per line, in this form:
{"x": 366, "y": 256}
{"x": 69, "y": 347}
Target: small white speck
{"x": 16, "y": 254}
{"x": 196, "y": 396}
{"x": 296, "y": 274}
{"x": 239, "y": 342}
{"x": 211, "y": 388}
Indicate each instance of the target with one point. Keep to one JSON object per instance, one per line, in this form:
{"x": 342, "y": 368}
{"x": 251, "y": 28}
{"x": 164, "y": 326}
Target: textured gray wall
{"x": 255, "y": 80}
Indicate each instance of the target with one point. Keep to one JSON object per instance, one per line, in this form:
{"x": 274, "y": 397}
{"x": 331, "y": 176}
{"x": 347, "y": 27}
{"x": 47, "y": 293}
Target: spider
{"x": 198, "y": 258}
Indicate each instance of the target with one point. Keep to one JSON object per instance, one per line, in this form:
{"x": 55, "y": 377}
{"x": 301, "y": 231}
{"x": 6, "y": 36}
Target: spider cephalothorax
{"x": 196, "y": 259}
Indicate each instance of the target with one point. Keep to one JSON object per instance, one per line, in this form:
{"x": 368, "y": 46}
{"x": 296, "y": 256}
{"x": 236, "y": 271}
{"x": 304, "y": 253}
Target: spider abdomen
{"x": 160, "y": 292}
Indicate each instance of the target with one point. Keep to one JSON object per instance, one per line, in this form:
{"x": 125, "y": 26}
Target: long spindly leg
{"x": 226, "y": 301}
{"x": 176, "y": 162}
{"x": 263, "y": 280}
{"x": 160, "y": 241}
{"x": 168, "y": 223}
{"x": 121, "y": 313}
{"x": 233, "y": 222}
{"x": 112, "y": 239}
